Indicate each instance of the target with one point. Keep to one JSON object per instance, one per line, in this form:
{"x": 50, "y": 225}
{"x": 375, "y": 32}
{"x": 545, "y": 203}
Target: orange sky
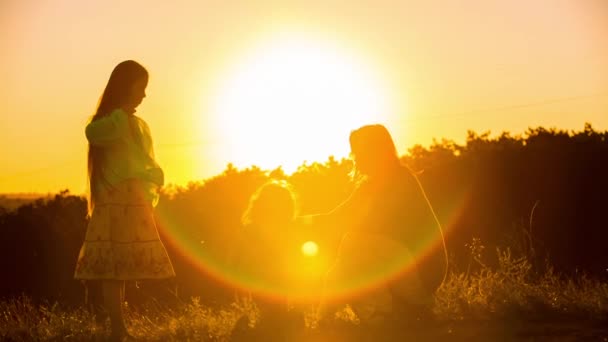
{"x": 438, "y": 62}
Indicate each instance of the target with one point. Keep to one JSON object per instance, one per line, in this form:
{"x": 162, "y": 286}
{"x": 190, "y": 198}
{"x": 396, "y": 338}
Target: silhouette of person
{"x": 386, "y": 221}
{"x": 268, "y": 254}
{"x": 122, "y": 241}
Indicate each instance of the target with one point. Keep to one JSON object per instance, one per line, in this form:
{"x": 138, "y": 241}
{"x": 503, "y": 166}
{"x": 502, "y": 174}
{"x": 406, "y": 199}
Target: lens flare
{"x": 310, "y": 270}
{"x": 310, "y": 248}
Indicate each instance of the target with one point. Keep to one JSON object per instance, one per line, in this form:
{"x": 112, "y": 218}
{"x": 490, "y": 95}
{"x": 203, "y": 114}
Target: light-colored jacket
{"x": 128, "y": 151}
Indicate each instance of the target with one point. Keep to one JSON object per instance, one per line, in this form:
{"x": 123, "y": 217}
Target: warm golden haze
{"x": 445, "y": 67}
{"x": 303, "y": 171}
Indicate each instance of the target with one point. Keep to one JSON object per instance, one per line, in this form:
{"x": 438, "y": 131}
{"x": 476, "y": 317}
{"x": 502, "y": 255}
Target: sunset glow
{"x": 303, "y": 170}
{"x": 295, "y": 98}
{"x": 231, "y": 84}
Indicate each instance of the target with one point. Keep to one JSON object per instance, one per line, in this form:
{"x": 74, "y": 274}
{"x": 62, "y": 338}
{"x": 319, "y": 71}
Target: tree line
{"x": 540, "y": 193}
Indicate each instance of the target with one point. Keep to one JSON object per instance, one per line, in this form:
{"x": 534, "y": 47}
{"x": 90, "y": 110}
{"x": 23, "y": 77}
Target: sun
{"x": 295, "y": 99}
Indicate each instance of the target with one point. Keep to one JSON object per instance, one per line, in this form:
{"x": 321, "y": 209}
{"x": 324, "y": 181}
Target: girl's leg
{"x": 94, "y": 301}
{"x": 122, "y": 292}
{"x": 328, "y": 304}
{"x": 112, "y": 295}
{"x": 337, "y": 276}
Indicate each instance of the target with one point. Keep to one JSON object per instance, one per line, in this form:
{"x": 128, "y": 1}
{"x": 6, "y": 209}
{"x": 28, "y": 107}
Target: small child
{"x": 268, "y": 252}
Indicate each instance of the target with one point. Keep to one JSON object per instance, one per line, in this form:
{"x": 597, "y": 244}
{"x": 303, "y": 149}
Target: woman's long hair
{"x": 116, "y": 94}
{"x": 375, "y": 146}
{"x": 374, "y": 149}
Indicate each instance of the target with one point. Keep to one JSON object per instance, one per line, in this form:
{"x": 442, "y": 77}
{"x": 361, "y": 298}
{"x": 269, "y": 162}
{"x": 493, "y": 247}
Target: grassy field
{"x": 509, "y": 302}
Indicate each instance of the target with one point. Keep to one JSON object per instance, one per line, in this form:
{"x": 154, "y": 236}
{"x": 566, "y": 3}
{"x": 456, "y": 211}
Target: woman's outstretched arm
{"x": 340, "y": 219}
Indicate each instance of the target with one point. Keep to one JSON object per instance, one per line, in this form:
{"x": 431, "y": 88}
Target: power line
{"x": 410, "y": 119}
{"x": 511, "y": 107}
{"x": 459, "y": 114}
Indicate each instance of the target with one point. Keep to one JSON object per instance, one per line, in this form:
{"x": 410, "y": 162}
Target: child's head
{"x": 273, "y": 205}
{"x": 125, "y": 89}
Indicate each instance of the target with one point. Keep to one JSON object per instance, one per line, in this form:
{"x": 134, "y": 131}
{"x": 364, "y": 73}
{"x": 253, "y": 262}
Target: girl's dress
{"x": 122, "y": 241}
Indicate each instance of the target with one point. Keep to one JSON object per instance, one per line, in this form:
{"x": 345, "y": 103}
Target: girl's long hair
{"x": 115, "y": 95}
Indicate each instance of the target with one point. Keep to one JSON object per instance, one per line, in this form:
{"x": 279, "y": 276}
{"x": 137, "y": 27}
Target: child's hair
{"x": 273, "y": 203}
{"x": 115, "y": 95}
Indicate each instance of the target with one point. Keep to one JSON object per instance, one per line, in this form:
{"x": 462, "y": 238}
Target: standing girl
{"x": 122, "y": 242}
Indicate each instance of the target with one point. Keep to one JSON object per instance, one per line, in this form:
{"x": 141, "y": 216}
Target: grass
{"x": 22, "y": 320}
{"x": 508, "y": 302}
{"x": 513, "y": 291}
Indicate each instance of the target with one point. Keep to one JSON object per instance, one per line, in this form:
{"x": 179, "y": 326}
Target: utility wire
{"x": 410, "y": 119}
{"x": 510, "y": 107}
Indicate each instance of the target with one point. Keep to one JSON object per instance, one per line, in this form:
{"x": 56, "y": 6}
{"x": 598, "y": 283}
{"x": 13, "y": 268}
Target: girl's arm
{"x": 107, "y": 130}
{"x": 154, "y": 174}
